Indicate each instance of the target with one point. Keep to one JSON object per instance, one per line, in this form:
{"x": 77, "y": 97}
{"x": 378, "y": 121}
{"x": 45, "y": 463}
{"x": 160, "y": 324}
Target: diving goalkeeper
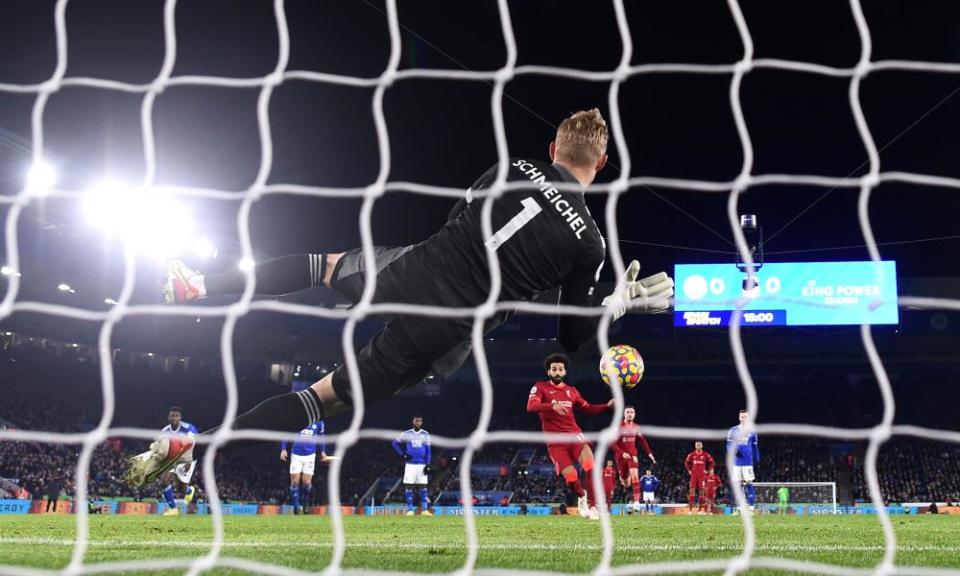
{"x": 544, "y": 238}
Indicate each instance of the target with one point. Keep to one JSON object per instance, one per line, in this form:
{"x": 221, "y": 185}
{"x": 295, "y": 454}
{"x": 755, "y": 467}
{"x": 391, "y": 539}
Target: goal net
{"x": 806, "y": 498}
{"x": 262, "y": 187}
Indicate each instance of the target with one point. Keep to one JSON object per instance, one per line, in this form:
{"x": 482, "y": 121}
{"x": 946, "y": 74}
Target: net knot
{"x": 273, "y": 79}
{"x": 737, "y": 565}
{"x": 742, "y": 182}
{"x": 51, "y": 85}
{"x": 504, "y": 75}
{"x": 158, "y": 86}
{"x": 386, "y": 79}
{"x": 881, "y": 433}
{"x": 349, "y": 437}
{"x": 374, "y": 191}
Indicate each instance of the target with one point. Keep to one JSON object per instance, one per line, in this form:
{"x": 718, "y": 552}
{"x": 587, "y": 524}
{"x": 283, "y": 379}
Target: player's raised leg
{"x": 277, "y": 276}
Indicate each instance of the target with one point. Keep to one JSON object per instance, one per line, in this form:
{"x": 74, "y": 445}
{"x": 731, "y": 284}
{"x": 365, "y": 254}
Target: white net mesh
{"x": 231, "y": 314}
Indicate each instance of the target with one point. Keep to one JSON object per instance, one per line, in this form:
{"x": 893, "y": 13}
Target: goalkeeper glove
{"x": 650, "y": 295}
{"x": 405, "y": 456}
{"x": 739, "y": 454}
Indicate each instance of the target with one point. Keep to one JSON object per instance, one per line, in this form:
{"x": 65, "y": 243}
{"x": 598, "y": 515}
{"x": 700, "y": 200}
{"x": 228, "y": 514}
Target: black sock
{"x": 281, "y": 275}
{"x": 290, "y": 412}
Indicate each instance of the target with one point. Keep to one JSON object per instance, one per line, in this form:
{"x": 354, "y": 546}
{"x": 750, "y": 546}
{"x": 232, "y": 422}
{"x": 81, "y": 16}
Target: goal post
{"x": 799, "y": 497}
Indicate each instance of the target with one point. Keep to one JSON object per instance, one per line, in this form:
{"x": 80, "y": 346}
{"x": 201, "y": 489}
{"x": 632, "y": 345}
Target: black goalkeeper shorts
{"x": 409, "y": 347}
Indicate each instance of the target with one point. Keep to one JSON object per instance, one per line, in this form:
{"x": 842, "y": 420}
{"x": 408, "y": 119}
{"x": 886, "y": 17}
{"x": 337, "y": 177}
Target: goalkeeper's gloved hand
{"x": 650, "y": 295}
{"x": 405, "y": 456}
{"x": 739, "y": 454}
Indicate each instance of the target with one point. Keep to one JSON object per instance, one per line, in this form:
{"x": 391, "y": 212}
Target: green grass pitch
{"x": 422, "y": 544}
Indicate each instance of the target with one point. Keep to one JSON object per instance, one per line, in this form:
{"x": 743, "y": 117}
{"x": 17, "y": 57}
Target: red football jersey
{"x": 711, "y": 482}
{"x": 697, "y": 463}
{"x": 629, "y": 436}
{"x": 609, "y": 478}
{"x": 544, "y": 394}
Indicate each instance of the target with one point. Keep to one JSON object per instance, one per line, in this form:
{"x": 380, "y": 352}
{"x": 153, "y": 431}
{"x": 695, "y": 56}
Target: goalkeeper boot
{"x": 162, "y": 456}
{"x": 189, "y": 494}
{"x": 182, "y": 284}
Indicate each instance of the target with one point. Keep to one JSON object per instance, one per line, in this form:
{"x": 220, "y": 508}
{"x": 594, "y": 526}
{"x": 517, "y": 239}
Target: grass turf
{"x": 421, "y": 544}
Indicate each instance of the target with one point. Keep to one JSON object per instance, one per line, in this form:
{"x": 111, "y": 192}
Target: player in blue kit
{"x": 648, "y": 485}
{"x": 303, "y": 458}
{"x": 746, "y": 456}
{"x": 185, "y": 464}
{"x": 414, "y": 447}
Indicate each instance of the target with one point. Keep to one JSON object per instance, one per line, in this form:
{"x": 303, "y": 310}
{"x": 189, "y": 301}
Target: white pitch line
{"x": 37, "y": 540}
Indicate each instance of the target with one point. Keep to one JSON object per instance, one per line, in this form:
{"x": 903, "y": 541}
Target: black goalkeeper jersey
{"x": 544, "y": 238}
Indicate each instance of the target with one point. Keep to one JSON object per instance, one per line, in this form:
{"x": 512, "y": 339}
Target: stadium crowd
{"x": 52, "y": 389}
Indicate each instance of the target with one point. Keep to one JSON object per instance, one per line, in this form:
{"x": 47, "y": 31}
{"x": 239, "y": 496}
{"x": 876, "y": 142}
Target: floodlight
{"x": 153, "y": 223}
{"x": 205, "y": 249}
{"x": 41, "y": 177}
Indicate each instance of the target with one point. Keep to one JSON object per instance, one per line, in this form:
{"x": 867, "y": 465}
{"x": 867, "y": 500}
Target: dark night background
{"x": 441, "y": 132}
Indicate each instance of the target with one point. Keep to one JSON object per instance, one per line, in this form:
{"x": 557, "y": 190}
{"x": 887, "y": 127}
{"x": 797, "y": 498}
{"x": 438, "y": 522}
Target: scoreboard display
{"x": 787, "y": 294}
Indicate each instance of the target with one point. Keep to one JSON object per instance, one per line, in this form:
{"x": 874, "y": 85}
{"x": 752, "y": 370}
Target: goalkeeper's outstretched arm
{"x": 650, "y": 295}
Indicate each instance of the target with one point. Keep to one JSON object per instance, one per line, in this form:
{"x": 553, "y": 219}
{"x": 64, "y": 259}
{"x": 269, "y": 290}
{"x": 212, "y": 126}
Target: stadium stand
{"x": 55, "y": 387}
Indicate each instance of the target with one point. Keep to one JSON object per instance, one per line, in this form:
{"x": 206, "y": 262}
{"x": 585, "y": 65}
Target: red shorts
{"x": 696, "y": 482}
{"x": 567, "y": 454}
{"x": 710, "y": 494}
{"x": 625, "y": 462}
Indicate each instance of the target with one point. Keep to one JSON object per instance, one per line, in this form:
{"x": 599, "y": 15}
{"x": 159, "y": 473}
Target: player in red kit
{"x": 697, "y": 463}
{"x": 609, "y": 482}
{"x": 556, "y": 402}
{"x": 624, "y": 452}
{"x": 711, "y": 482}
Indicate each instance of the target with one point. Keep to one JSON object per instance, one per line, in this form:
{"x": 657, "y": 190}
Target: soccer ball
{"x": 625, "y": 362}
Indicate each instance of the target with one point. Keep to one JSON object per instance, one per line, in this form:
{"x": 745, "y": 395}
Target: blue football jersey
{"x": 415, "y": 443}
{"x": 649, "y": 483}
{"x": 745, "y": 445}
{"x": 301, "y": 448}
{"x": 185, "y": 429}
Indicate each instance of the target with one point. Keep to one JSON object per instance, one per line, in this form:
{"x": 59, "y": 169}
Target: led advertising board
{"x": 788, "y": 294}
